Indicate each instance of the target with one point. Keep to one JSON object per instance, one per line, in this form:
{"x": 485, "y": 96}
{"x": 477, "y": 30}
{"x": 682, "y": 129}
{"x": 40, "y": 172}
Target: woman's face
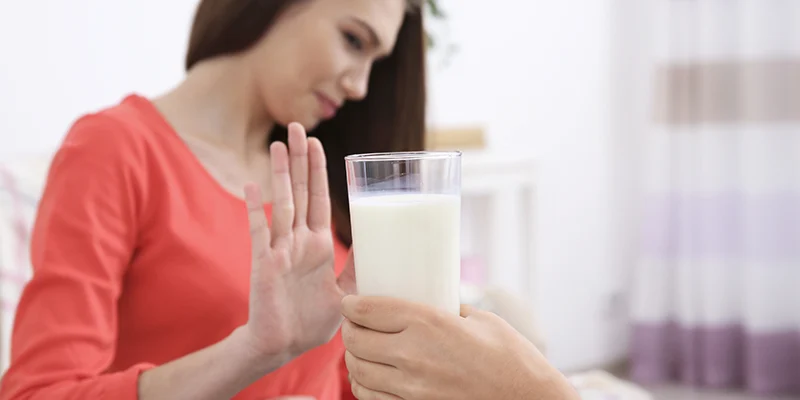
{"x": 318, "y": 55}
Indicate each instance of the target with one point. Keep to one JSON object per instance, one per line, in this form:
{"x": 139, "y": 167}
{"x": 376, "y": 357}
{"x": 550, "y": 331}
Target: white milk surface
{"x": 408, "y": 246}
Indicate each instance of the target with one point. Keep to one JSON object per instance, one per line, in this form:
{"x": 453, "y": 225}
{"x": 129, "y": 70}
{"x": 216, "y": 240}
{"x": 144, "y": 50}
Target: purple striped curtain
{"x": 716, "y": 299}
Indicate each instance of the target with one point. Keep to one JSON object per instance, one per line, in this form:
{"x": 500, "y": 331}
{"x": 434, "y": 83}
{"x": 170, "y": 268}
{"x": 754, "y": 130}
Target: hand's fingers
{"x": 383, "y": 314}
{"x": 319, "y": 207}
{"x": 370, "y": 380}
{"x": 282, "y": 203}
{"x": 369, "y": 345}
{"x": 466, "y": 310}
{"x": 298, "y": 154}
{"x": 362, "y": 393}
{"x": 257, "y": 219}
{"x": 347, "y": 279}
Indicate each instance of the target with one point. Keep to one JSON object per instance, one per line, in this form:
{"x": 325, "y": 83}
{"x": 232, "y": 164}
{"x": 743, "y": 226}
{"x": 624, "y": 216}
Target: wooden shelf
{"x": 456, "y": 138}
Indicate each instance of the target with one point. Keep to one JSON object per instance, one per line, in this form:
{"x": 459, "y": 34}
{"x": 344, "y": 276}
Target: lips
{"x": 328, "y": 106}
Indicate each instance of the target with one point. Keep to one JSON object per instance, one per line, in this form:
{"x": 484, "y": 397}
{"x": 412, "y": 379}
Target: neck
{"x": 218, "y": 103}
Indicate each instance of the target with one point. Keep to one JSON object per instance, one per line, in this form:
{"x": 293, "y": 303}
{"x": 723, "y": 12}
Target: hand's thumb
{"x": 347, "y": 279}
{"x": 467, "y": 310}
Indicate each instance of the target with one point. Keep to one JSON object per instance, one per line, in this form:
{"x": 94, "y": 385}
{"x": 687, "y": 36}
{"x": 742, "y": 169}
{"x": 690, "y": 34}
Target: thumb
{"x": 347, "y": 279}
{"x": 467, "y": 311}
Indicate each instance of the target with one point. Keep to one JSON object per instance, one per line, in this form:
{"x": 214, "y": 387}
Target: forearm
{"x": 553, "y": 387}
{"x": 540, "y": 380}
{"x": 217, "y": 372}
{"x": 559, "y": 390}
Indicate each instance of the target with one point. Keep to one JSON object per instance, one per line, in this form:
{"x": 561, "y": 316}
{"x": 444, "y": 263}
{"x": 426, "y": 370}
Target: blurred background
{"x": 631, "y": 168}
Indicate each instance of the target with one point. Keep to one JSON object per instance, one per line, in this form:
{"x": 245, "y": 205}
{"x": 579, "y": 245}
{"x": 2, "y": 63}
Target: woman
{"x": 142, "y": 283}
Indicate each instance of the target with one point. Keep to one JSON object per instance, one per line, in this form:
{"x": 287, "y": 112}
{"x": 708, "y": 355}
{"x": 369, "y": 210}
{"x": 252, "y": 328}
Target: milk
{"x": 408, "y": 246}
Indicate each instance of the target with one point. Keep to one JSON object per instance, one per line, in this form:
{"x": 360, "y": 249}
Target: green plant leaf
{"x": 436, "y": 11}
{"x": 429, "y": 41}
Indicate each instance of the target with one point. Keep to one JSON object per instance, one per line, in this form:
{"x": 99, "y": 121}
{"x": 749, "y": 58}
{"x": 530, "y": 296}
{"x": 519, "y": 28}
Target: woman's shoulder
{"x": 121, "y": 132}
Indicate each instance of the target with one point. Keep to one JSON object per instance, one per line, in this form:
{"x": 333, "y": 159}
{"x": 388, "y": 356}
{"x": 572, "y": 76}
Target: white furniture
{"x": 498, "y": 218}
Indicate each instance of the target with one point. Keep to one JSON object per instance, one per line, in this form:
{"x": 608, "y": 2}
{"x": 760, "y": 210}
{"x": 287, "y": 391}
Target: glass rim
{"x": 404, "y": 156}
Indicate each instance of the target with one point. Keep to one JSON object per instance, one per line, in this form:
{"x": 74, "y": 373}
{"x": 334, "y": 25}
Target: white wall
{"x": 63, "y": 58}
{"x": 536, "y": 74}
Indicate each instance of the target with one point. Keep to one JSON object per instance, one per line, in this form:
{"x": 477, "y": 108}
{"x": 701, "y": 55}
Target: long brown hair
{"x": 390, "y": 118}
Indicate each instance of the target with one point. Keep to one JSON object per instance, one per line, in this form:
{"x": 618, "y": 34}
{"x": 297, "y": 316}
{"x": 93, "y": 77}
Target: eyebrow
{"x": 371, "y": 32}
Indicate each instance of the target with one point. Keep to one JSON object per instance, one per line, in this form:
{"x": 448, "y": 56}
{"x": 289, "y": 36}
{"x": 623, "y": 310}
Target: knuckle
{"x": 283, "y": 242}
{"x": 353, "y": 365}
{"x": 255, "y": 211}
{"x": 298, "y": 152}
{"x": 287, "y": 205}
{"x": 435, "y": 319}
{"x": 358, "y": 390}
{"x": 403, "y": 358}
{"x": 348, "y": 335}
{"x": 257, "y": 226}
{"x": 408, "y": 357}
{"x": 261, "y": 254}
{"x": 417, "y": 390}
{"x": 283, "y": 197}
{"x": 320, "y": 194}
{"x": 280, "y": 255}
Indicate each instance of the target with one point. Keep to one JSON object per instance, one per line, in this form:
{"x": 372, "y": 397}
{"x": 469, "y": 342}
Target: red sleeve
{"x": 65, "y": 329}
{"x": 347, "y": 394}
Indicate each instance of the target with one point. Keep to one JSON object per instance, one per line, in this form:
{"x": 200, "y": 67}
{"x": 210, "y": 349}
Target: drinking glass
{"x": 405, "y": 215}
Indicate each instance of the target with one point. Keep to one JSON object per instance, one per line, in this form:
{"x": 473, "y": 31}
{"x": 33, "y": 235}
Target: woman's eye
{"x": 353, "y": 41}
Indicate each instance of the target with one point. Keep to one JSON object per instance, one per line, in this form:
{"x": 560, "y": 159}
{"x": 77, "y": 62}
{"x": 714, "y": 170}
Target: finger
{"x": 369, "y": 345}
{"x": 466, "y": 310}
{"x": 257, "y": 219}
{"x": 282, "y": 204}
{"x": 298, "y": 156}
{"x": 319, "y": 202}
{"x": 347, "y": 279}
{"x": 362, "y": 393}
{"x": 383, "y": 314}
{"x": 381, "y": 380}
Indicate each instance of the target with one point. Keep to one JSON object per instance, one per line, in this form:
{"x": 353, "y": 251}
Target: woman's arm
{"x": 216, "y": 372}
{"x": 66, "y": 323}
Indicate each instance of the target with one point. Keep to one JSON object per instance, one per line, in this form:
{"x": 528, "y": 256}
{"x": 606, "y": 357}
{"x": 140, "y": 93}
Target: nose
{"x": 356, "y": 83}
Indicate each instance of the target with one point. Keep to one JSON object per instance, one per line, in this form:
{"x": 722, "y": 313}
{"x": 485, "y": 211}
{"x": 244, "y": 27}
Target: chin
{"x": 308, "y": 122}
{"x": 311, "y": 125}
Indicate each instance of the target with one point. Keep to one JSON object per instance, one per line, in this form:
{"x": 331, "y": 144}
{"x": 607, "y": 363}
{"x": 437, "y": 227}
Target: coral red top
{"x": 139, "y": 257}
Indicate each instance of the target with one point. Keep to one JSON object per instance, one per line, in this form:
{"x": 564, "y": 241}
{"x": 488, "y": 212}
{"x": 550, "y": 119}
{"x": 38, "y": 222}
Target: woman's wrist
{"x": 542, "y": 380}
{"x": 245, "y": 350}
{"x": 552, "y": 385}
{"x": 215, "y": 372}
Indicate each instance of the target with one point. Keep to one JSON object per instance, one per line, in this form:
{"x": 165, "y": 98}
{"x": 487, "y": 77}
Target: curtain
{"x": 716, "y": 292}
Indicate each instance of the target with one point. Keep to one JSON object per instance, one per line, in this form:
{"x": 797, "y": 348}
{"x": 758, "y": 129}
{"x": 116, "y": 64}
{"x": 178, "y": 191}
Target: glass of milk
{"x": 405, "y": 215}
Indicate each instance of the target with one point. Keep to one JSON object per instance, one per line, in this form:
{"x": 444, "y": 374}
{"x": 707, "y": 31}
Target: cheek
{"x": 288, "y": 85}
{"x": 327, "y": 60}
{"x": 282, "y": 88}
{"x": 321, "y": 70}
{"x": 274, "y": 90}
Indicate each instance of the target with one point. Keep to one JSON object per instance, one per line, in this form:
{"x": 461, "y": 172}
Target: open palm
{"x": 295, "y": 295}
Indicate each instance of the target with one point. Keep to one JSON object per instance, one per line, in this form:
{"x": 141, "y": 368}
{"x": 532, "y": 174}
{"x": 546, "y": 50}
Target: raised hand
{"x": 295, "y": 296}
